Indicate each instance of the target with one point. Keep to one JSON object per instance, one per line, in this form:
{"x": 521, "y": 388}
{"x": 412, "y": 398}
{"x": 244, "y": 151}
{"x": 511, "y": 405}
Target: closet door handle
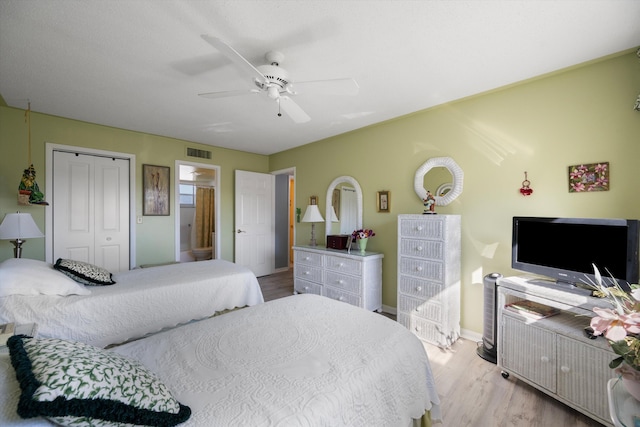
{"x": 240, "y": 231}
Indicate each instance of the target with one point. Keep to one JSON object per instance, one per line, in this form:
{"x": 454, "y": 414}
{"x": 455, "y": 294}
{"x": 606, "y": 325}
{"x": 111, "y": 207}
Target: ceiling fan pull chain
{"x": 279, "y": 113}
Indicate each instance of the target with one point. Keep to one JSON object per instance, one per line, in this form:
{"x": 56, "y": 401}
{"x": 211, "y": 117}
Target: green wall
{"x": 155, "y": 237}
{"x": 542, "y": 126}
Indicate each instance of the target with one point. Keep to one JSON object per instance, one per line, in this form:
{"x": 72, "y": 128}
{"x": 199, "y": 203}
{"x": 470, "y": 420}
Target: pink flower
{"x": 609, "y": 323}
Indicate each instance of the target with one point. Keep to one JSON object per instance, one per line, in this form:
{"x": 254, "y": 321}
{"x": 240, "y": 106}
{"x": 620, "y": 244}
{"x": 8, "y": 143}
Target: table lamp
{"x": 19, "y": 226}
{"x": 312, "y": 215}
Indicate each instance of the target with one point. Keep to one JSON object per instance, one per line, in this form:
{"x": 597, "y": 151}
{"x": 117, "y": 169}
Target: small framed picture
{"x": 589, "y": 177}
{"x": 384, "y": 201}
{"x": 155, "y": 190}
{"x": 313, "y": 200}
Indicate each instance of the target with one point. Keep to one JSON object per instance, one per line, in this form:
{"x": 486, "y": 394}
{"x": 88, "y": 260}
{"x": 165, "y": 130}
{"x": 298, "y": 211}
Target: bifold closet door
{"x": 91, "y": 209}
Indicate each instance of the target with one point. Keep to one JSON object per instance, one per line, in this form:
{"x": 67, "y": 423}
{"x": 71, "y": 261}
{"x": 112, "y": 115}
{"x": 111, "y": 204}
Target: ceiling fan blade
{"x": 228, "y": 93}
{"x": 234, "y": 56}
{"x": 293, "y": 110}
{"x": 347, "y": 86}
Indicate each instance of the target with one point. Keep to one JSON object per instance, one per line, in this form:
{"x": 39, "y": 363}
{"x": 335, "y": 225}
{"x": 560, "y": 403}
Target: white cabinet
{"x": 554, "y": 354}
{"x": 350, "y": 277}
{"x": 429, "y": 276}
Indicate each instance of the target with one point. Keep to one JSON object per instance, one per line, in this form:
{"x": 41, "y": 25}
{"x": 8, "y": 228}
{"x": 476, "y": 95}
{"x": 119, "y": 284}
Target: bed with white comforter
{"x": 141, "y": 302}
{"x": 303, "y": 360}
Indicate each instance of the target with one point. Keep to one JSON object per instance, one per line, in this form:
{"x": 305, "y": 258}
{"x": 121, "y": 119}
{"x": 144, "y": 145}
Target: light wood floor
{"x": 472, "y": 390}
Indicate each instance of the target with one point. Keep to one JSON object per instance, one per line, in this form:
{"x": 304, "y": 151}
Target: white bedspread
{"x": 303, "y": 360}
{"x": 142, "y": 301}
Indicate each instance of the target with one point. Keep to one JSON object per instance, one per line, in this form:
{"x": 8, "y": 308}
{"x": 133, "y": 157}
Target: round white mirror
{"x": 331, "y": 201}
{"x": 456, "y": 185}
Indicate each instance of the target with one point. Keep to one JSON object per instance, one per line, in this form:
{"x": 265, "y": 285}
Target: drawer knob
{"x": 419, "y": 248}
{"x": 544, "y": 359}
{"x": 565, "y": 369}
{"x": 307, "y": 258}
{"x": 419, "y": 228}
{"x": 419, "y": 288}
{"x": 306, "y": 288}
{"x": 418, "y": 328}
{"x": 307, "y": 273}
{"x": 341, "y": 264}
{"x": 418, "y": 268}
{"x": 341, "y": 281}
{"x": 417, "y": 309}
{"x": 341, "y": 298}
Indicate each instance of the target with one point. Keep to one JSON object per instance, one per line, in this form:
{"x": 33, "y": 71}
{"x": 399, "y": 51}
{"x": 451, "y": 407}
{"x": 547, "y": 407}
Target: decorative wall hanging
{"x": 384, "y": 201}
{"x": 155, "y": 190}
{"x": 28, "y": 191}
{"x": 590, "y": 177}
{"x": 525, "y": 190}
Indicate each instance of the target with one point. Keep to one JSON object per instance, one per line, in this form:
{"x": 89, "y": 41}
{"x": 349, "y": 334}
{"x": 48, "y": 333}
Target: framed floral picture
{"x": 589, "y": 177}
{"x": 384, "y": 201}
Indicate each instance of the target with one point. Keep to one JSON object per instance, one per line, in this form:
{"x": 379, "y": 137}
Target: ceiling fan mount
{"x": 275, "y": 81}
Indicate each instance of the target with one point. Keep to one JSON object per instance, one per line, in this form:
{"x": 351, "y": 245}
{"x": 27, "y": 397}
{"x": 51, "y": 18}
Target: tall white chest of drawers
{"x": 429, "y": 276}
{"x": 350, "y": 277}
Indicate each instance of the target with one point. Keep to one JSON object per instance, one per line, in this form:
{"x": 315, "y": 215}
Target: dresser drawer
{"x": 307, "y": 272}
{"x": 420, "y": 289}
{"x": 425, "y": 330}
{"x": 339, "y": 295}
{"x": 342, "y": 281}
{"x": 429, "y": 229}
{"x": 345, "y": 265}
{"x": 308, "y": 258}
{"x": 424, "y": 269}
{"x": 420, "y": 307}
{"x": 304, "y": 287}
{"x": 432, "y": 249}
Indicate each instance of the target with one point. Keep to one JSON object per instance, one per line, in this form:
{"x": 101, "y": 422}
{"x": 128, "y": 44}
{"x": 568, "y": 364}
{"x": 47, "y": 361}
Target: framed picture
{"x": 335, "y": 202}
{"x": 313, "y": 200}
{"x": 155, "y": 190}
{"x": 384, "y": 201}
{"x": 590, "y": 177}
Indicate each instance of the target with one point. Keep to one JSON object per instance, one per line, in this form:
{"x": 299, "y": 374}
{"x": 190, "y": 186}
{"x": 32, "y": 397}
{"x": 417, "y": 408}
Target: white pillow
{"x": 23, "y": 276}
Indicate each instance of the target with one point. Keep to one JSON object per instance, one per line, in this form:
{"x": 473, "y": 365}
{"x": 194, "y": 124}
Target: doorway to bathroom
{"x": 198, "y": 212}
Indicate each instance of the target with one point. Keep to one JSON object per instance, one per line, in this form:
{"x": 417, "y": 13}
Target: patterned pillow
{"x": 75, "y": 384}
{"x": 83, "y": 272}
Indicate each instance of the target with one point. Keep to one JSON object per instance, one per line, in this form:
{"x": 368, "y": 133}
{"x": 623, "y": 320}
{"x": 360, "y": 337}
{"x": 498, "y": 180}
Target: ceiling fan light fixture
{"x": 273, "y": 92}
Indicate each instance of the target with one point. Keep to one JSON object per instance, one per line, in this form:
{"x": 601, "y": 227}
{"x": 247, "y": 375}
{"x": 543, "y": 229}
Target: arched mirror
{"x": 442, "y": 176}
{"x": 346, "y": 203}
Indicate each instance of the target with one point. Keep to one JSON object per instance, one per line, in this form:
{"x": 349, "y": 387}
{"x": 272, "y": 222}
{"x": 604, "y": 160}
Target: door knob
{"x": 240, "y": 231}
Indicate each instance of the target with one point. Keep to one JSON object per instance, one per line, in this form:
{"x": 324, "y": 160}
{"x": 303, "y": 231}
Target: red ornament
{"x": 525, "y": 190}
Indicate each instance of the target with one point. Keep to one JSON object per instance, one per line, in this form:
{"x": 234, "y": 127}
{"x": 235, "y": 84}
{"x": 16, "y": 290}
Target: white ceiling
{"x": 139, "y": 64}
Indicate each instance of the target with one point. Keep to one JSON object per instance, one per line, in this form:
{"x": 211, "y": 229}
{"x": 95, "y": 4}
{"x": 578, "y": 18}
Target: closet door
{"x": 91, "y": 209}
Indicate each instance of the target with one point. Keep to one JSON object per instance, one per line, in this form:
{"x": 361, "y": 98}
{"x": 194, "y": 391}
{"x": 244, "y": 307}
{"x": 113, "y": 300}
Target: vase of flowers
{"x": 620, "y": 325}
{"x": 362, "y": 237}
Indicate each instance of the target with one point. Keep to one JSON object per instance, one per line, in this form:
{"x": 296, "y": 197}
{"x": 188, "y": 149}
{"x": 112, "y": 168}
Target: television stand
{"x": 554, "y": 354}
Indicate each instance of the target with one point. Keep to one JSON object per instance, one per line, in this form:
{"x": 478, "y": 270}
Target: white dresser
{"x": 429, "y": 276}
{"x": 350, "y": 277}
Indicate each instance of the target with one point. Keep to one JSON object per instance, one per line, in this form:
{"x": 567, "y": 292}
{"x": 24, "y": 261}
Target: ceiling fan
{"x": 275, "y": 82}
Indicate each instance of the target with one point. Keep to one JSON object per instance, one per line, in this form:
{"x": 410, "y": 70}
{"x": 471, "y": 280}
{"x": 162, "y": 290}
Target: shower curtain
{"x": 204, "y": 224}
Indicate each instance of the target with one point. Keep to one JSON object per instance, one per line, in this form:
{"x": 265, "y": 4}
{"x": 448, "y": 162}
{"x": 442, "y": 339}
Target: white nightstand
{"x": 624, "y": 409}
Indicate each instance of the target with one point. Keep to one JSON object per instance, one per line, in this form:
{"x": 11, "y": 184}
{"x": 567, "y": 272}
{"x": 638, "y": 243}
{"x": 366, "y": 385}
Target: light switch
{"x": 139, "y": 219}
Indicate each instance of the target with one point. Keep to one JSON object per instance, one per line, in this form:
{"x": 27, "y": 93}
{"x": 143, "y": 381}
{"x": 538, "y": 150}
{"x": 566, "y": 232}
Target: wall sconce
{"x": 19, "y": 226}
{"x": 312, "y": 215}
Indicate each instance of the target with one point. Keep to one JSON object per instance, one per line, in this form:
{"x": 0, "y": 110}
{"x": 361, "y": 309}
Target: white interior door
{"x": 254, "y": 222}
{"x": 91, "y": 209}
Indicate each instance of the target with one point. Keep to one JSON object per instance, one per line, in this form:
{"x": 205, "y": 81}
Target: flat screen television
{"x": 565, "y": 249}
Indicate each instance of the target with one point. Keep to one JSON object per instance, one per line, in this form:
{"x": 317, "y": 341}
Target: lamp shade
{"x": 312, "y": 214}
{"x": 334, "y": 217}
{"x": 19, "y": 226}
